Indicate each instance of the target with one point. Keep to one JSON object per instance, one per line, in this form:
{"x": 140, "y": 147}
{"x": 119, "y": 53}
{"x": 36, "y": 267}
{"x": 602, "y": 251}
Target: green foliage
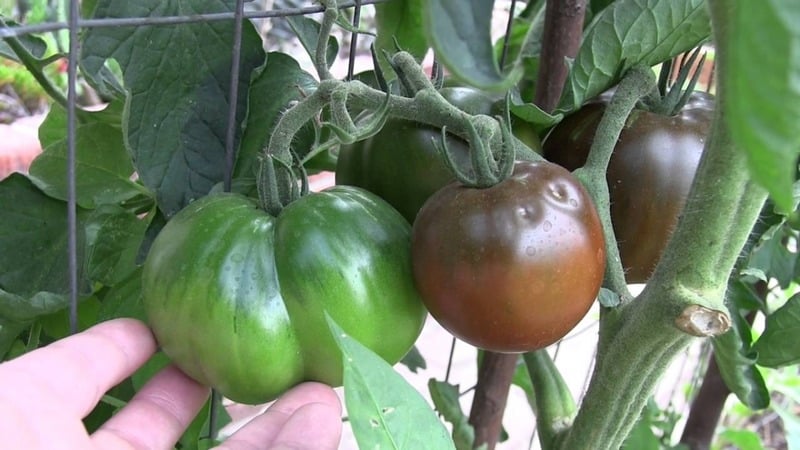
{"x": 398, "y": 24}
{"x": 734, "y": 355}
{"x": 776, "y": 346}
{"x": 177, "y": 138}
{"x": 445, "y": 399}
{"x": 765, "y": 97}
{"x": 103, "y": 166}
{"x": 384, "y": 410}
{"x": 460, "y": 33}
{"x": 629, "y": 33}
{"x": 281, "y": 81}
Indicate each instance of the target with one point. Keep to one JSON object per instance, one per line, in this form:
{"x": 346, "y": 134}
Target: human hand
{"x": 46, "y": 393}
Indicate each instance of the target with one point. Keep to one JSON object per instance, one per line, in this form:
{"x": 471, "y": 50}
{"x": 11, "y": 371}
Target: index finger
{"x": 75, "y": 372}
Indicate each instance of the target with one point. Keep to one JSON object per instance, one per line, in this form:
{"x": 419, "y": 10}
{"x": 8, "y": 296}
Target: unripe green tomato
{"x": 237, "y": 298}
{"x": 402, "y": 165}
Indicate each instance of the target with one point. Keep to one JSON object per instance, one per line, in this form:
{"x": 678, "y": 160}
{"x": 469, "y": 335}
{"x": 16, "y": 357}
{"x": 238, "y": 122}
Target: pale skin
{"x": 45, "y": 394}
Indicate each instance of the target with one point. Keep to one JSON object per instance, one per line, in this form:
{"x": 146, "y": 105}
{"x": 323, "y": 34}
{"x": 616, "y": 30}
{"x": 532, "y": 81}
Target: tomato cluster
{"x": 239, "y": 298}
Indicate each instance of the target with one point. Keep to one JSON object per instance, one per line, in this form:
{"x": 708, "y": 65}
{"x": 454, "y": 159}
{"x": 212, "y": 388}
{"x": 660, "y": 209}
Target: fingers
{"x": 307, "y": 417}
{"x": 75, "y": 372}
{"x": 157, "y": 415}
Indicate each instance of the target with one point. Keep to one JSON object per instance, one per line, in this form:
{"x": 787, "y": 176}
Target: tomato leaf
{"x": 9, "y": 330}
{"x": 57, "y": 324}
{"x": 384, "y": 410}
{"x": 763, "y": 101}
{"x": 33, "y": 240}
{"x": 736, "y": 360}
{"x": 280, "y": 82}
{"x": 177, "y": 102}
{"x": 777, "y": 346}
{"x": 114, "y": 236}
{"x": 529, "y": 112}
{"x": 307, "y": 31}
{"x": 629, "y": 33}
{"x": 17, "y": 313}
{"x": 32, "y": 43}
{"x": 773, "y": 257}
{"x": 414, "y": 360}
{"x": 399, "y": 23}
{"x": 460, "y": 33}
{"x": 445, "y": 398}
{"x": 103, "y": 168}
{"x": 124, "y": 299}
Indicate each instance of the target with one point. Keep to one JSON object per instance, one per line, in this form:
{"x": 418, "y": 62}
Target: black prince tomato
{"x": 512, "y": 267}
{"x": 237, "y": 298}
{"x": 649, "y": 175}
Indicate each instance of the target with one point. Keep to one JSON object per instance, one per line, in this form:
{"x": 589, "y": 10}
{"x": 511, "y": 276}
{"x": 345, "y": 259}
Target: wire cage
{"x": 264, "y": 15}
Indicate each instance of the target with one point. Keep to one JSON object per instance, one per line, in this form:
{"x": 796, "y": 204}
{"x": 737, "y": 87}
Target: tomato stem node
{"x": 701, "y": 321}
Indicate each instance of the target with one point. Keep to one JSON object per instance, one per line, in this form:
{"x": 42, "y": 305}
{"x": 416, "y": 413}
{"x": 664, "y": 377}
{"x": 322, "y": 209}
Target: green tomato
{"x": 237, "y": 298}
{"x": 402, "y": 165}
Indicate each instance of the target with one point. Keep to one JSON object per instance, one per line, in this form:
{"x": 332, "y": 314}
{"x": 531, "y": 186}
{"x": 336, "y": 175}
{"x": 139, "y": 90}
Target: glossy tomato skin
{"x": 649, "y": 174}
{"x": 237, "y": 298}
{"x": 401, "y": 164}
{"x": 513, "y": 267}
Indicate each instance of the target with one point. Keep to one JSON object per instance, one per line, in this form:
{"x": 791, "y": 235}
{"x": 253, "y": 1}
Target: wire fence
{"x": 686, "y": 376}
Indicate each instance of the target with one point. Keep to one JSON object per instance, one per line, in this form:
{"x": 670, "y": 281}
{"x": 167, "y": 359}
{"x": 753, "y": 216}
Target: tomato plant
{"x": 512, "y": 267}
{"x": 73, "y": 242}
{"x": 237, "y": 298}
{"x": 401, "y": 163}
{"x": 649, "y": 174}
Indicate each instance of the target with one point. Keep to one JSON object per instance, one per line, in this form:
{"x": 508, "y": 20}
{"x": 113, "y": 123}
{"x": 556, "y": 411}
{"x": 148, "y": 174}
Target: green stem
{"x": 555, "y": 407}
{"x": 33, "y": 337}
{"x": 619, "y": 389}
{"x": 427, "y": 107}
{"x": 321, "y": 52}
{"x": 722, "y": 207}
{"x": 32, "y": 64}
{"x": 638, "y": 82}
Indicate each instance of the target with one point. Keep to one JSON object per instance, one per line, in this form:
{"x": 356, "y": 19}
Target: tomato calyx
{"x": 487, "y": 170}
{"x": 670, "y": 98}
{"x": 278, "y": 184}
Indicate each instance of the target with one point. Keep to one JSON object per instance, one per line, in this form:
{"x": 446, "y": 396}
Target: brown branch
{"x": 706, "y": 409}
{"x": 491, "y": 392}
{"x": 563, "y": 28}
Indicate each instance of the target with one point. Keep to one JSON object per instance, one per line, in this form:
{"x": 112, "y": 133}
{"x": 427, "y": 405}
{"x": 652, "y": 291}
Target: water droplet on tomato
{"x": 547, "y": 226}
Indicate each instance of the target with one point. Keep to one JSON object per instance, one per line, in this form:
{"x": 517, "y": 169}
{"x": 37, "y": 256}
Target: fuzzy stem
{"x": 321, "y": 52}
{"x": 427, "y": 107}
{"x": 720, "y": 211}
{"x": 638, "y": 82}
